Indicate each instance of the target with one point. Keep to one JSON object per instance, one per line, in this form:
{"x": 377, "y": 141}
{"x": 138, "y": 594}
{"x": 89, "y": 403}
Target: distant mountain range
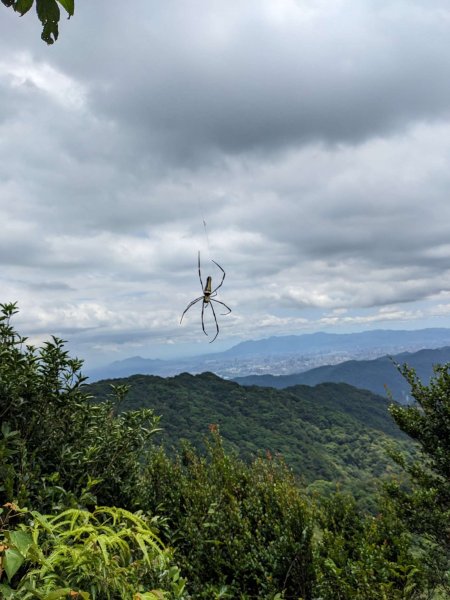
{"x": 379, "y": 376}
{"x": 338, "y": 342}
{"x": 128, "y": 366}
{"x": 283, "y": 355}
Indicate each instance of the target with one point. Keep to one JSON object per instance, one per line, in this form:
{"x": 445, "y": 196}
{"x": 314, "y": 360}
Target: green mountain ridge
{"x": 330, "y": 433}
{"x": 377, "y": 375}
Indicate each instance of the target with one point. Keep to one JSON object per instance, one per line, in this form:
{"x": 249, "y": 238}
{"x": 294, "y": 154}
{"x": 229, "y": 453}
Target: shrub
{"x": 106, "y": 554}
{"x": 424, "y": 506}
{"x": 244, "y": 530}
{"x": 57, "y": 446}
{"x": 362, "y": 557}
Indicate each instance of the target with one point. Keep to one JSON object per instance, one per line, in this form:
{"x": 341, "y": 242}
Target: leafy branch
{"x": 48, "y": 13}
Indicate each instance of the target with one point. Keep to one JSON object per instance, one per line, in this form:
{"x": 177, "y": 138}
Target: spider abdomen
{"x": 208, "y": 286}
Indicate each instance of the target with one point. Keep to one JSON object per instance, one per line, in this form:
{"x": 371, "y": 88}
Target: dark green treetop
{"x": 55, "y": 445}
{"x": 426, "y": 508}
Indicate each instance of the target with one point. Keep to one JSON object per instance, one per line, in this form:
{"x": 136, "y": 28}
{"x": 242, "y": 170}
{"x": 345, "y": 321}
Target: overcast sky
{"x": 311, "y": 136}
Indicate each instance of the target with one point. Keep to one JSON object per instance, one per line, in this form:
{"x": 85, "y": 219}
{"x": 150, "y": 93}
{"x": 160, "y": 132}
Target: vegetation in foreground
{"x": 93, "y": 509}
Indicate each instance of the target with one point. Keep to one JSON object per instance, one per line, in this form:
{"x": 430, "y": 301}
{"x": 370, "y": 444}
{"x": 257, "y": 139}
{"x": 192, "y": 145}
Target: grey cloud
{"x": 264, "y": 87}
{"x": 57, "y": 286}
{"x": 315, "y": 149}
{"x": 188, "y": 92}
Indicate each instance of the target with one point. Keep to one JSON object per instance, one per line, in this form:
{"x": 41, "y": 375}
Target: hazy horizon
{"x": 213, "y": 349}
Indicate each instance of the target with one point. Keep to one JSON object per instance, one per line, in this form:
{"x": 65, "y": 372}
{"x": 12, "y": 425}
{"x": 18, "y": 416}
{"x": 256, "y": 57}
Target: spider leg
{"x": 189, "y": 306}
{"x": 203, "y": 320}
{"x": 215, "y": 319}
{"x": 223, "y": 304}
{"x": 223, "y": 277}
{"x": 199, "y": 271}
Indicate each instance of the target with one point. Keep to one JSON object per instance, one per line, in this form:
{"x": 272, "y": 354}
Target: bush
{"x": 424, "y": 506}
{"x": 243, "y": 529}
{"x": 56, "y": 446}
{"x": 361, "y": 557}
{"x": 105, "y": 554}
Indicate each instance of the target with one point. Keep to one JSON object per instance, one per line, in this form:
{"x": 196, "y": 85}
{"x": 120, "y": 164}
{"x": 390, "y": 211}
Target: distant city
{"x": 283, "y": 355}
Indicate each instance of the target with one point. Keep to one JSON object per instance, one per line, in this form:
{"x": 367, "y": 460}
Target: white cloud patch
{"x": 22, "y": 73}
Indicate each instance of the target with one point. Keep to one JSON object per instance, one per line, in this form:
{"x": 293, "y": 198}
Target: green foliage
{"x": 426, "y": 508}
{"x": 239, "y": 528}
{"x": 105, "y": 554}
{"x": 48, "y": 14}
{"x": 58, "y": 448}
{"x": 241, "y": 531}
{"x": 363, "y": 557}
{"x": 331, "y": 432}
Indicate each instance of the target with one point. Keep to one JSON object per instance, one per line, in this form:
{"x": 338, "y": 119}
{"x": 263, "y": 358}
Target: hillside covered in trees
{"x": 93, "y": 507}
{"x": 380, "y": 375}
{"x": 332, "y": 433}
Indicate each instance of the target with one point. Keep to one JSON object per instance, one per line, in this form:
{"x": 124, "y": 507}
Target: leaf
{"x": 62, "y": 593}
{"x": 12, "y": 561}
{"x": 58, "y": 594}
{"x": 48, "y": 14}
{"x": 23, "y": 6}
{"x": 143, "y": 547}
{"x": 153, "y": 595}
{"x": 102, "y": 543}
{"x": 42, "y": 521}
{"x": 5, "y": 426}
{"x": 21, "y": 540}
{"x": 69, "y": 5}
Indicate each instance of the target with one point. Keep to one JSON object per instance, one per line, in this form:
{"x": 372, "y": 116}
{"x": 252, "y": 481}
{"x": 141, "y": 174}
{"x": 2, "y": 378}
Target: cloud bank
{"x": 312, "y": 138}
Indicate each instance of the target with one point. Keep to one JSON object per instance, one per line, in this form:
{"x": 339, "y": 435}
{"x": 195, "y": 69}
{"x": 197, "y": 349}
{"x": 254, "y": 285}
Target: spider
{"x": 208, "y": 298}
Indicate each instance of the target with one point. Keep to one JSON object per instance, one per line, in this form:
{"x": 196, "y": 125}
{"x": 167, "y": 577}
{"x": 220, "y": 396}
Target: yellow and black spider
{"x": 207, "y": 298}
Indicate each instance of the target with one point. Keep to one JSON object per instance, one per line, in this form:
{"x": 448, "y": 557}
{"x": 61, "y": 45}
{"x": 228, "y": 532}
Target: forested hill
{"x": 331, "y": 432}
{"x": 378, "y": 375}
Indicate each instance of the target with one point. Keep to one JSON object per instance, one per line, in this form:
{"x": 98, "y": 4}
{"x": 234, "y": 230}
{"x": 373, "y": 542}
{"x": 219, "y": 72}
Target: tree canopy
{"x": 426, "y": 508}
